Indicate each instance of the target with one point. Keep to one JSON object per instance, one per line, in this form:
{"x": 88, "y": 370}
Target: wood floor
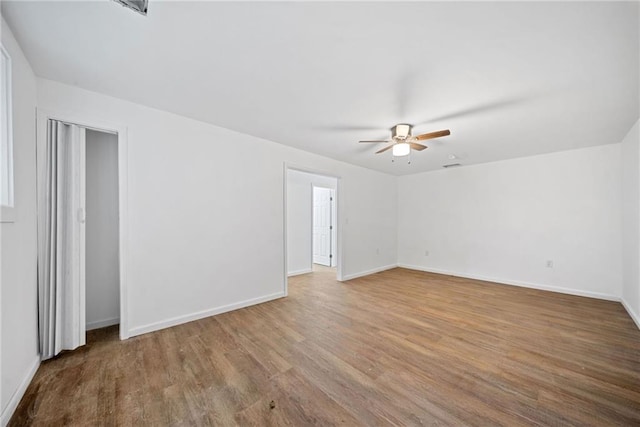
{"x": 395, "y": 348}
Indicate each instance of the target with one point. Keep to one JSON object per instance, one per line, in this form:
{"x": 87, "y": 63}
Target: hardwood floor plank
{"x": 399, "y": 347}
{"x": 308, "y": 405}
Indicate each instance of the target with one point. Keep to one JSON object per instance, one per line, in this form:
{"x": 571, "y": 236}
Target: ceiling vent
{"x": 451, "y": 165}
{"x": 139, "y": 6}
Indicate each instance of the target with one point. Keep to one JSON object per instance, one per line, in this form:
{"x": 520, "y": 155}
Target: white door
{"x": 322, "y": 226}
{"x": 61, "y": 235}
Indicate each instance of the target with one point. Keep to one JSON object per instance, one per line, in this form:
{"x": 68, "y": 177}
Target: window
{"x": 6, "y": 144}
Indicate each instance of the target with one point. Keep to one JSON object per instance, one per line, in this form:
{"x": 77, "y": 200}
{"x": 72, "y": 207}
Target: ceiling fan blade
{"x": 347, "y": 128}
{"x": 417, "y": 147}
{"x": 488, "y": 107}
{"x": 388, "y": 147}
{"x": 432, "y": 135}
{"x": 373, "y": 141}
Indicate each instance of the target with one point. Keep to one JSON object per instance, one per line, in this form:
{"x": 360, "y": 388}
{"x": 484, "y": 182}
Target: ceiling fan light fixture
{"x": 401, "y": 149}
{"x": 400, "y": 132}
{"x": 404, "y": 141}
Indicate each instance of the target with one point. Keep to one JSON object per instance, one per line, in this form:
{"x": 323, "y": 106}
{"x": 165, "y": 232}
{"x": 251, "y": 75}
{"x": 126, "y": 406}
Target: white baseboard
{"x": 559, "y": 289}
{"x": 367, "y": 272}
{"x": 102, "y": 323}
{"x": 299, "y": 272}
{"x": 7, "y": 412}
{"x": 178, "y": 320}
{"x": 632, "y": 313}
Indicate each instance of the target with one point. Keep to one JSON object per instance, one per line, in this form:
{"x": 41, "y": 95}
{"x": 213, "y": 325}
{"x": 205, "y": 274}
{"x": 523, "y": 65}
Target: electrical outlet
{"x": 377, "y": 251}
{"x": 549, "y": 264}
{"x": 426, "y": 253}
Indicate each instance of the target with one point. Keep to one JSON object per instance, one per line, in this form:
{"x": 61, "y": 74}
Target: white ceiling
{"x": 509, "y": 79}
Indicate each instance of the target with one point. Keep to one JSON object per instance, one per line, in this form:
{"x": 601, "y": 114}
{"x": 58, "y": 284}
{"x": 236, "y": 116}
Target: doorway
{"x": 101, "y": 234}
{"x": 82, "y": 205}
{"x": 312, "y": 223}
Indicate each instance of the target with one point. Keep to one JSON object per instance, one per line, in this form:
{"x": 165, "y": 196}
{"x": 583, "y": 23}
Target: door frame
{"x": 121, "y": 131}
{"x": 339, "y": 237}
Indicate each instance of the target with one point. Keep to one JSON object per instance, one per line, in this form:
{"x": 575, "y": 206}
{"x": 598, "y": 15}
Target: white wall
{"x": 205, "y": 210}
{"x": 299, "y": 218}
{"x": 503, "y": 221}
{"x": 631, "y": 222}
{"x": 18, "y": 300}
{"x": 102, "y": 269}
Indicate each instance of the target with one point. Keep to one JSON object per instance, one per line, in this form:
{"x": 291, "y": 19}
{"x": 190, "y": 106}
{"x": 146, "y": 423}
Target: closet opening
{"x": 82, "y": 184}
{"x": 102, "y": 267}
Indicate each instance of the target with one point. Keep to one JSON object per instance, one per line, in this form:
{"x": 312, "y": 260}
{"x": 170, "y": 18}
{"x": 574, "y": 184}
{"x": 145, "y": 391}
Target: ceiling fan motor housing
{"x": 401, "y": 132}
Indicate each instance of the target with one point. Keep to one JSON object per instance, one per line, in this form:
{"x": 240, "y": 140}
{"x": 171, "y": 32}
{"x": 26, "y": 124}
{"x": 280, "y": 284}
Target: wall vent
{"x": 139, "y": 6}
{"x": 451, "y": 165}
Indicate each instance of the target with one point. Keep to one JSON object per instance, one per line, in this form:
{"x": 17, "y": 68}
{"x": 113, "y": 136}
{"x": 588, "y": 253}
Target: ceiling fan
{"x": 403, "y": 141}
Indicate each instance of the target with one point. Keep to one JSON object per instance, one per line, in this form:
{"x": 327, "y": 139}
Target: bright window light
{"x": 6, "y": 144}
